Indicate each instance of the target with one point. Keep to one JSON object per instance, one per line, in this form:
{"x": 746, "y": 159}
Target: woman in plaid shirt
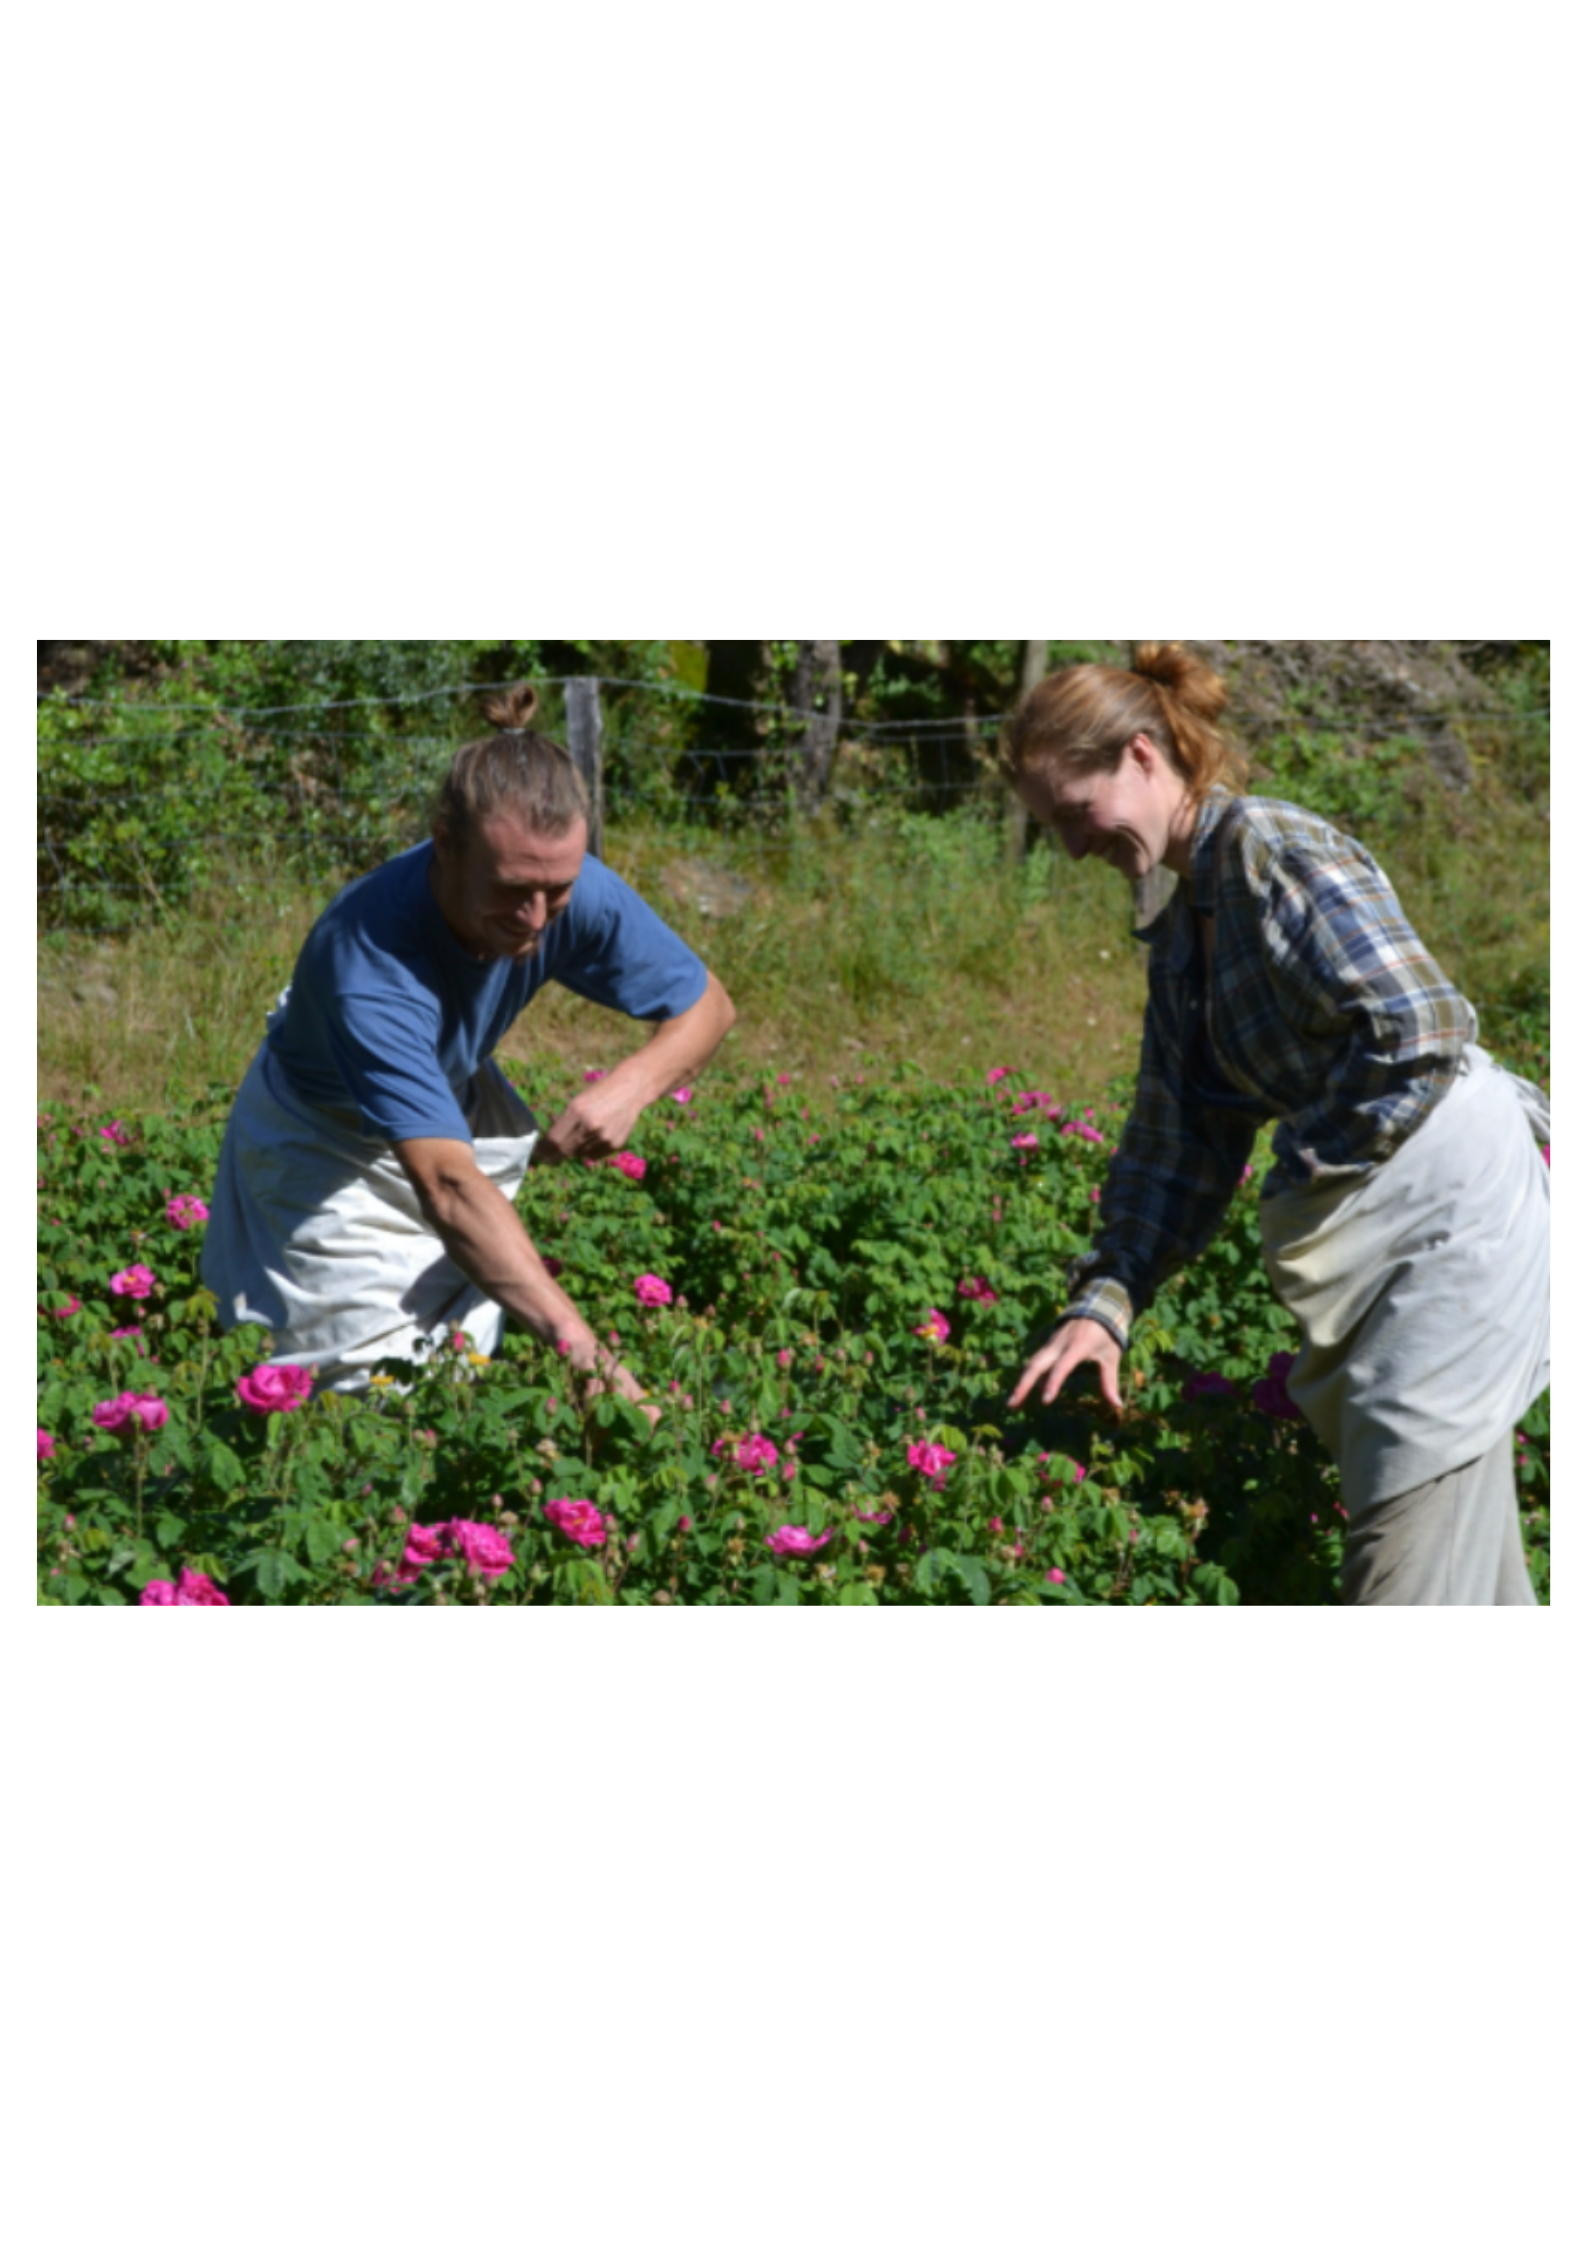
{"x": 1405, "y": 1220}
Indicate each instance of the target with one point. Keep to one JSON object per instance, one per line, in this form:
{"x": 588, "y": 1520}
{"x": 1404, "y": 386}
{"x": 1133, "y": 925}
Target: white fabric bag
{"x": 1422, "y": 1290}
{"x": 315, "y": 1231}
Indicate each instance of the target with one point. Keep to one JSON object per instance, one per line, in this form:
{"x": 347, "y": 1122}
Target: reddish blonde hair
{"x": 1081, "y": 719}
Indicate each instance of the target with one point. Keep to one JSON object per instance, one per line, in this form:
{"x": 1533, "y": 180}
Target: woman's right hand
{"x": 1079, "y": 1340}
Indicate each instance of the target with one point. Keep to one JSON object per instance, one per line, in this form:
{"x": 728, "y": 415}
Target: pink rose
{"x": 631, "y": 1165}
{"x": 1024, "y": 1141}
{"x": 652, "y": 1291}
{"x": 190, "y": 1589}
{"x": 996, "y": 1075}
{"x": 875, "y": 1519}
{"x": 936, "y": 1327}
{"x": 683, "y": 1094}
{"x": 116, "y": 1132}
{"x": 1055, "y": 1574}
{"x": 976, "y": 1290}
{"x": 784, "y": 1359}
{"x": 754, "y": 1454}
{"x": 553, "y": 1267}
{"x": 46, "y": 1446}
{"x": 593, "y": 1075}
{"x": 130, "y": 1333}
{"x": 275, "y": 1387}
{"x": 137, "y": 1280}
{"x": 1082, "y": 1130}
{"x": 578, "y": 1519}
{"x": 1208, "y": 1383}
{"x": 931, "y": 1459}
{"x": 73, "y": 1305}
{"x": 184, "y": 1210}
{"x": 485, "y": 1548}
{"x": 1272, "y": 1393}
{"x": 795, "y": 1543}
{"x": 122, "y": 1411}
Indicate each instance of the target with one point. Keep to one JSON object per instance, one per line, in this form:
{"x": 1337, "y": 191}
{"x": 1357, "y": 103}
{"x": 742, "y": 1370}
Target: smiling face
{"x": 500, "y": 887}
{"x": 1135, "y": 818}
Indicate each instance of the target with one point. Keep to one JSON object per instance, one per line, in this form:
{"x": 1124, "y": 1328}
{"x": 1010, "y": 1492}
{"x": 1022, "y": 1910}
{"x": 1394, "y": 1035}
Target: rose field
{"x": 829, "y": 1298}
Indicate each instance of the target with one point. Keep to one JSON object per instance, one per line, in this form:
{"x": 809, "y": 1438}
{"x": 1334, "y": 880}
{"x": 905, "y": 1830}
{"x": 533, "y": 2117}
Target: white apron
{"x": 1422, "y": 1290}
{"x": 315, "y": 1231}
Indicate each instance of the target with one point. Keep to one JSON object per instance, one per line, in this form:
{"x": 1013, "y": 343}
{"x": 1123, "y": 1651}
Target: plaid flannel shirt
{"x": 1321, "y": 1006}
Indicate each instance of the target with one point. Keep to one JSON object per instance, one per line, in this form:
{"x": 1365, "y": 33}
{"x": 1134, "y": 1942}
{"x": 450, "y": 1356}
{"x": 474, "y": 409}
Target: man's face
{"x": 500, "y": 888}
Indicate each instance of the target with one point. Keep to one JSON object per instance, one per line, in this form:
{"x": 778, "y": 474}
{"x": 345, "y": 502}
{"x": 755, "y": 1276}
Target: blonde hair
{"x": 1081, "y": 719}
{"x": 514, "y": 770}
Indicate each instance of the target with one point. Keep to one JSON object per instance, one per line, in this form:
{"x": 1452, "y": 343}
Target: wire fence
{"x": 335, "y": 784}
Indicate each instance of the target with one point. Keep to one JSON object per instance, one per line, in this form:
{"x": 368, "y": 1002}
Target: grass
{"x": 905, "y": 937}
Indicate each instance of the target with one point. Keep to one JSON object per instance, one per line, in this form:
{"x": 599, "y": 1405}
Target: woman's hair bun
{"x": 513, "y": 711}
{"x": 1195, "y": 685}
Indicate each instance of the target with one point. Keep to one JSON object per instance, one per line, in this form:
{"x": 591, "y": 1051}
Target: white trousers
{"x": 316, "y": 1233}
{"x": 1455, "y": 1541}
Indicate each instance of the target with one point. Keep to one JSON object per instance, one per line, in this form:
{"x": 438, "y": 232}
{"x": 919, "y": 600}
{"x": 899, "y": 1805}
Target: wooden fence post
{"x": 584, "y": 746}
{"x": 1032, "y": 670}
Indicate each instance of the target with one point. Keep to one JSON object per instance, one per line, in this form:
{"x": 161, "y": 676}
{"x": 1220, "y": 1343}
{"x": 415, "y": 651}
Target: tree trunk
{"x": 817, "y": 702}
{"x": 1032, "y": 670}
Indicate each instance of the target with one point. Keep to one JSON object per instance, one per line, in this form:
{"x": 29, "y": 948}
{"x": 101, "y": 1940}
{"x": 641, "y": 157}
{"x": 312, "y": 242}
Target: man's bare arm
{"x": 602, "y": 1118}
{"x": 480, "y": 1230}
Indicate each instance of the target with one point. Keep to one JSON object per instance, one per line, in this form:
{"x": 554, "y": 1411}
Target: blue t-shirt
{"x": 390, "y": 1014}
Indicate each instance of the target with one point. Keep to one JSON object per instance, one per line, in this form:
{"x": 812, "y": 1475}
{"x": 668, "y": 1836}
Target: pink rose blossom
{"x": 785, "y": 1079}
{"x": 458, "y": 1341}
{"x": 116, "y": 1132}
{"x": 130, "y": 1333}
{"x": 593, "y": 1075}
{"x": 191, "y": 1589}
{"x": 578, "y": 1519}
{"x": 1083, "y": 1130}
{"x": 73, "y": 1305}
{"x": 1055, "y": 1574}
{"x": 931, "y": 1459}
{"x": 1208, "y": 1383}
{"x": 795, "y": 1543}
{"x": 976, "y": 1290}
{"x": 683, "y": 1094}
{"x": 1272, "y": 1393}
{"x": 46, "y": 1446}
{"x": 936, "y": 1327}
{"x": 754, "y": 1454}
{"x": 784, "y": 1359}
{"x": 553, "y": 1267}
{"x": 1024, "y": 1141}
{"x": 275, "y": 1387}
{"x": 485, "y": 1548}
{"x": 875, "y": 1519}
{"x": 631, "y": 1165}
{"x": 184, "y": 1210}
{"x": 653, "y": 1292}
{"x": 996, "y": 1075}
{"x": 137, "y": 1280}
{"x": 119, "y": 1415}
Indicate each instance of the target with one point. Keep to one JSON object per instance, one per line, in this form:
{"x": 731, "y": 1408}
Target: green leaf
{"x": 273, "y": 1572}
{"x": 169, "y": 1530}
{"x": 223, "y": 1465}
{"x": 324, "y": 1538}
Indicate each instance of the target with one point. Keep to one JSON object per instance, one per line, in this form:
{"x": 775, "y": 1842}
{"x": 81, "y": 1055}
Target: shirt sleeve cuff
{"x": 1105, "y": 1301}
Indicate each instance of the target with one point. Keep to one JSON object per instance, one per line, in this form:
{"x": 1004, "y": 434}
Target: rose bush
{"x": 813, "y": 1447}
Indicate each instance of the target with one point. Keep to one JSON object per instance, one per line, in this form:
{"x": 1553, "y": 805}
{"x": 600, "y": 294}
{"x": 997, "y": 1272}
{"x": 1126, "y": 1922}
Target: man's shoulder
{"x": 375, "y": 927}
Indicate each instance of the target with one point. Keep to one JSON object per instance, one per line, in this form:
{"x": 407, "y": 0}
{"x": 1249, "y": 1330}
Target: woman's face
{"x": 1135, "y": 818}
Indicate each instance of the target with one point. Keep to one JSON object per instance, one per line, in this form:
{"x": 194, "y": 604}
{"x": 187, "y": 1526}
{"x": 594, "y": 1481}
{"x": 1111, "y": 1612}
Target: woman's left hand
{"x": 1079, "y": 1340}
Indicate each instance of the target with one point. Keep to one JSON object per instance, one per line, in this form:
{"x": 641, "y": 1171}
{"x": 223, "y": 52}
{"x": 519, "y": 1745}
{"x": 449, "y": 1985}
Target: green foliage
{"x": 806, "y": 1251}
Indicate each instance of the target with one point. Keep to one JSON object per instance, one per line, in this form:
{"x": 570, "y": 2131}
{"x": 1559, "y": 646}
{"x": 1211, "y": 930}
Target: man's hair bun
{"x": 513, "y": 711}
{"x": 1195, "y": 685}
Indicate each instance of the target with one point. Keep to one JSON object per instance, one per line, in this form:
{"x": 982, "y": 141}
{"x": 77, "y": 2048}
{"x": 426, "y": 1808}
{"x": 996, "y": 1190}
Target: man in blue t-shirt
{"x": 364, "y": 1201}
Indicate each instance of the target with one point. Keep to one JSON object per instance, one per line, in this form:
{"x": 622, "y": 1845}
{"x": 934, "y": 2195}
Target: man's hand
{"x": 605, "y": 1375}
{"x": 1079, "y": 1340}
{"x": 599, "y": 1121}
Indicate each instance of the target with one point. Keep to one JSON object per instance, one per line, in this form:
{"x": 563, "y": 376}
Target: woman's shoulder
{"x": 1260, "y": 835}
